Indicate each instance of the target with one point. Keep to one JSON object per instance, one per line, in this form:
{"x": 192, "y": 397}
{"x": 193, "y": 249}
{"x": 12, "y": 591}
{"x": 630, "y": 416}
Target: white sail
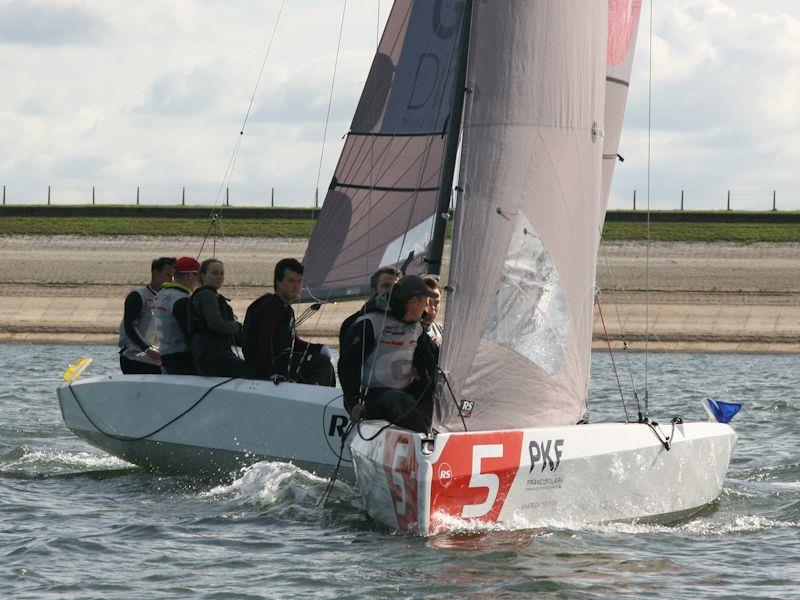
{"x": 519, "y": 316}
{"x": 383, "y": 194}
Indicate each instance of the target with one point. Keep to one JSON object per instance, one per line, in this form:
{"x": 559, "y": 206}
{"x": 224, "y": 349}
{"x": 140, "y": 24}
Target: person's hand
{"x": 152, "y": 354}
{"x": 358, "y": 411}
{"x": 325, "y": 351}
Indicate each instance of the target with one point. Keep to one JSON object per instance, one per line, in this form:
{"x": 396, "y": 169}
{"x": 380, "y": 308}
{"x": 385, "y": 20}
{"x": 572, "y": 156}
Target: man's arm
{"x": 133, "y": 308}
{"x": 180, "y": 310}
{"x": 267, "y": 313}
{"x": 359, "y": 342}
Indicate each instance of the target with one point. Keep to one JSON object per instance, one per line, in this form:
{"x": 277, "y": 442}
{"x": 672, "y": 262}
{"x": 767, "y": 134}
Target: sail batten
{"x": 385, "y": 187}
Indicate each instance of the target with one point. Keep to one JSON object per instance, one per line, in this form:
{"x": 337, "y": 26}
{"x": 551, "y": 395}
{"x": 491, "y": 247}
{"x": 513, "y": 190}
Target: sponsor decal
{"x": 338, "y": 425}
{"x": 400, "y": 465}
{"x": 479, "y": 469}
{"x": 466, "y": 408}
{"x": 546, "y": 452}
{"x": 544, "y": 483}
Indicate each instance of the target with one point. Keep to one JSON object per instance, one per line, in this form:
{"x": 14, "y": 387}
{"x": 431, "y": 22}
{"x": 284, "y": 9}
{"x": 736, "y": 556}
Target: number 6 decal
{"x": 400, "y": 451}
{"x": 490, "y": 481}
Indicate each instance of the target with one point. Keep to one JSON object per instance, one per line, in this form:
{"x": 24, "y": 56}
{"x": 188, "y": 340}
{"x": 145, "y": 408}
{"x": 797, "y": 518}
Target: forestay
{"x": 623, "y": 24}
{"x": 519, "y": 316}
{"x": 381, "y": 201}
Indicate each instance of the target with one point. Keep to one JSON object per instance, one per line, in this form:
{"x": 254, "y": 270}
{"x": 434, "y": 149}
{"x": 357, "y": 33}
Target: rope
{"x": 125, "y": 438}
{"x": 330, "y": 101}
{"x": 611, "y": 353}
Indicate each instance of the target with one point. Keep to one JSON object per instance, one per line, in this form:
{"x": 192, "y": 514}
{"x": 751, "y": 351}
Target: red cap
{"x": 186, "y": 264}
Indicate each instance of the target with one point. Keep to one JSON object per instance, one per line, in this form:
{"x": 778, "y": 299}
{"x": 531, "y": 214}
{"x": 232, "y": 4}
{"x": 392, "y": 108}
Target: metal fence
{"x": 307, "y": 197}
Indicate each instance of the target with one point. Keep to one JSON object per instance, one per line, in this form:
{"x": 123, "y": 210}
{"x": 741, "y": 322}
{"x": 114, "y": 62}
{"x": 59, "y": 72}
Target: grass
{"x": 300, "y": 228}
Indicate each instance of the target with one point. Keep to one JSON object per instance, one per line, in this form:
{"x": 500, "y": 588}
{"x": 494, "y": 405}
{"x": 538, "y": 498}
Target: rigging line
{"x": 232, "y": 162}
{"x": 330, "y": 101}
{"x": 621, "y": 325}
{"x": 647, "y": 250}
{"x": 611, "y": 354}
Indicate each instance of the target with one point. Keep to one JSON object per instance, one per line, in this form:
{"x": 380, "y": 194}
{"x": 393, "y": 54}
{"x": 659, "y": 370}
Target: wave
{"x": 27, "y": 462}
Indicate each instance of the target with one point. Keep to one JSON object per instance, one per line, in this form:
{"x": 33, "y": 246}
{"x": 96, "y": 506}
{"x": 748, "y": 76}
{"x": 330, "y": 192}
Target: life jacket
{"x": 145, "y": 323}
{"x": 171, "y": 338}
{"x": 390, "y": 362}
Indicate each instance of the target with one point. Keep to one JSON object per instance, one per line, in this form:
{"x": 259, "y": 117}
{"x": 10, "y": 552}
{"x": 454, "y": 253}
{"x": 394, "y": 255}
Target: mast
{"x": 434, "y": 258}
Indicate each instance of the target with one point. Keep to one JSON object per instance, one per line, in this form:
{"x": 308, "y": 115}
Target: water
{"x": 75, "y": 522}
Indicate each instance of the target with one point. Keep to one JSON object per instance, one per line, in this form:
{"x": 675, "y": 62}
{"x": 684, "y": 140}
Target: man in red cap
{"x": 172, "y": 318}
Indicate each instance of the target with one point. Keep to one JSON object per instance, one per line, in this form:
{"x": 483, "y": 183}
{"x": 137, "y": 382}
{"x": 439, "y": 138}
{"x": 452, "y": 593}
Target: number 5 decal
{"x": 400, "y": 452}
{"x": 490, "y": 481}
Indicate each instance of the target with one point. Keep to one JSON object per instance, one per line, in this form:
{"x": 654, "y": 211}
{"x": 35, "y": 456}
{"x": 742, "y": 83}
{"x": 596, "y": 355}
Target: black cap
{"x": 410, "y": 286}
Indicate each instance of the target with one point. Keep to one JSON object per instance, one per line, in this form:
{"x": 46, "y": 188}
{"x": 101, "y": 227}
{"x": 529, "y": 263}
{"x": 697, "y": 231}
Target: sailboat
{"x": 532, "y": 95}
{"x": 543, "y": 95}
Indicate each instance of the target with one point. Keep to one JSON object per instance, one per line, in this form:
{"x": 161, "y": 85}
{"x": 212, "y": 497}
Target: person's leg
{"x": 396, "y": 406}
{"x": 313, "y": 369}
{"x": 180, "y": 363}
{"x": 136, "y": 367}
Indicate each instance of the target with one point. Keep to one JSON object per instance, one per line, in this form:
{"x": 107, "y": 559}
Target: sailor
{"x": 427, "y": 352}
{"x": 381, "y": 282}
{"x": 138, "y": 352}
{"x": 382, "y": 385}
{"x": 271, "y": 345}
{"x": 213, "y": 326}
{"x": 172, "y": 318}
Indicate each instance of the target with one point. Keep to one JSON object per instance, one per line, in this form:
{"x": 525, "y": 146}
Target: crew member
{"x": 138, "y": 344}
{"x": 172, "y": 318}
{"x": 385, "y": 384}
{"x": 271, "y": 344}
{"x": 381, "y": 282}
{"x": 213, "y": 326}
{"x": 427, "y": 352}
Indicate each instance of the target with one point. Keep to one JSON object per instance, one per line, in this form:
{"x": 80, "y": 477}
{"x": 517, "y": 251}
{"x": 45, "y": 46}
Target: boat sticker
{"x": 478, "y": 470}
{"x": 401, "y": 467}
{"x": 338, "y": 425}
{"x": 466, "y": 408}
{"x": 547, "y": 453}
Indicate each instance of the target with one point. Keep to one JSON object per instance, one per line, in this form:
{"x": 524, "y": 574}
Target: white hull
{"x": 520, "y": 479}
{"x": 236, "y": 424}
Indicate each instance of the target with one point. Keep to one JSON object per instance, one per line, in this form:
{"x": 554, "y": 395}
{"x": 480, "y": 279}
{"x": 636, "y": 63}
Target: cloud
{"x": 48, "y": 24}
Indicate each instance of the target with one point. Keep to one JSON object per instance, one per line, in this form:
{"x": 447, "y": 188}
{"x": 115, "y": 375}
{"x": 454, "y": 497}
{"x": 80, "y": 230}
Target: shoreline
{"x": 720, "y": 297}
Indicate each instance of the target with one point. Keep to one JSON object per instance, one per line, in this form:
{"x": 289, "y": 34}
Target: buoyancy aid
{"x": 145, "y": 323}
{"x": 390, "y": 362}
{"x": 171, "y": 338}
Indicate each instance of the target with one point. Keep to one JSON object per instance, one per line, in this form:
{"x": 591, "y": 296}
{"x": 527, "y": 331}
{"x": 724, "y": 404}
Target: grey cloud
{"x": 37, "y": 24}
{"x": 181, "y": 93}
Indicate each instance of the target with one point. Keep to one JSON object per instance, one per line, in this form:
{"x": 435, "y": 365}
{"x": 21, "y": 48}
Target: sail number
{"x": 478, "y": 479}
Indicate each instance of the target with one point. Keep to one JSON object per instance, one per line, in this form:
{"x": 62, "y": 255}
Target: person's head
{"x": 413, "y": 294}
{"x": 432, "y": 310}
{"x": 212, "y": 273}
{"x": 187, "y": 272}
{"x": 288, "y": 280}
{"x": 383, "y": 279}
{"x": 161, "y": 272}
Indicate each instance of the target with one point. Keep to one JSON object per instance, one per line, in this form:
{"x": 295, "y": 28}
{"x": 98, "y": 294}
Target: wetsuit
{"x": 378, "y": 363}
{"x": 137, "y": 332}
{"x": 172, "y": 326}
{"x": 214, "y": 329}
{"x": 271, "y": 345}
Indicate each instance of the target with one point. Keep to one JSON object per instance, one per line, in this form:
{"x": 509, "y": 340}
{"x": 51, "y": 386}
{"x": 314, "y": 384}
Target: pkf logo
{"x": 445, "y": 475}
{"x": 544, "y": 452}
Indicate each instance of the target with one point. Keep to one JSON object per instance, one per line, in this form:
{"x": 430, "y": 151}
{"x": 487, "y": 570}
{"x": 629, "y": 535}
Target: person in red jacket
{"x": 271, "y": 344}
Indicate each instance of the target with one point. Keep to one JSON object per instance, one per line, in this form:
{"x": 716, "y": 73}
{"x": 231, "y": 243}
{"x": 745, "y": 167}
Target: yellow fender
{"x": 76, "y": 369}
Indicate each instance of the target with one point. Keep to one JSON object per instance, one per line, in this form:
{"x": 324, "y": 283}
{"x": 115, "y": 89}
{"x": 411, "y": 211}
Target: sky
{"x": 118, "y": 94}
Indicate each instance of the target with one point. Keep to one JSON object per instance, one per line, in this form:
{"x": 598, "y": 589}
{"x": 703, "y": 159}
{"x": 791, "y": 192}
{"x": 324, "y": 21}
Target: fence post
{"x": 681, "y": 200}
{"x": 729, "y": 199}
{"x": 634, "y": 199}
{"x": 183, "y": 196}
{"x": 774, "y": 203}
{"x": 48, "y": 195}
{"x": 137, "y": 195}
{"x": 92, "y": 195}
{"x": 227, "y": 196}
{"x": 272, "y": 198}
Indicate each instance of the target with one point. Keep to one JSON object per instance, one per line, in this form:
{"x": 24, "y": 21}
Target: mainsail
{"x": 382, "y": 199}
{"x": 623, "y": 24}
{"x": 519, "y": 314}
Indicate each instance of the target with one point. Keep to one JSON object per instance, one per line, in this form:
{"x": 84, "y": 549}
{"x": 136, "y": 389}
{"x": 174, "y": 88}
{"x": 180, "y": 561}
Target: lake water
{"x": 78, "y": 523}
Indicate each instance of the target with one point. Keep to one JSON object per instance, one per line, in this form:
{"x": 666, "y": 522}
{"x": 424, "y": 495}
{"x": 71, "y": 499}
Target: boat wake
{"x": 29, "y": 463}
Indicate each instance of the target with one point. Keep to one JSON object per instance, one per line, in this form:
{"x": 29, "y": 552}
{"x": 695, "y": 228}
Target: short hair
{"x": 283, "y": 265}
{"x": 433, "y": 283}
{"x": 373, "y": 280}
{"x": 207, "y": 263}
{"x": 159, "y": 263}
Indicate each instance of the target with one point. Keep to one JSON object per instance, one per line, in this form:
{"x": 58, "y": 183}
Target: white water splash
{"x": 269, "y": 483}
{"x": 64, "y": 460}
